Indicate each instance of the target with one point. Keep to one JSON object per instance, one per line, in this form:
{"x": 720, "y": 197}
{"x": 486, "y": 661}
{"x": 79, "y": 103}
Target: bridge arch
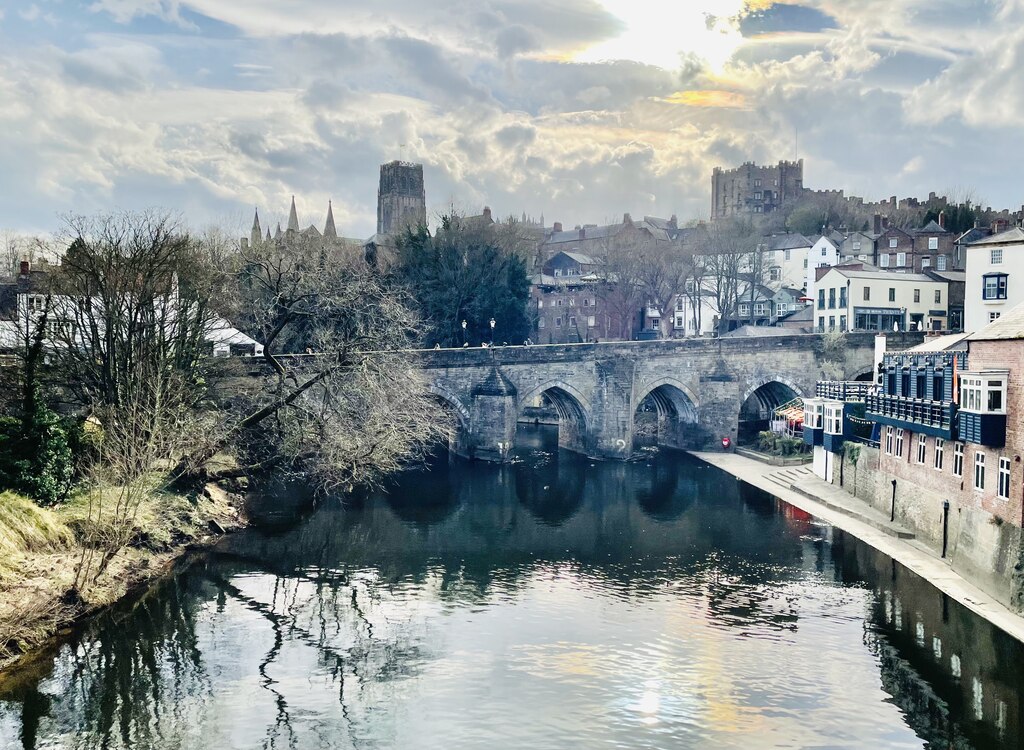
{"x": 667, "y": 410}
{"x": 458, "y": 441}
{"x": 573, "y": 411}
{"x": 759, "y": 401}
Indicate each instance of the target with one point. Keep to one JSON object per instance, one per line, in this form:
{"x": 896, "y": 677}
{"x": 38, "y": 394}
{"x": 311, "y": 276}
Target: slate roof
{"x": 1010, "y": 325}
{"x": 972, "y": 235}
{"x": 881, "y": 275}
{"x": 1010, "y": 236}
{"x": 584, "y": 260}
{"x": 931, "y": 227}
{"x": 789, "y": 241}
{"x": 942, "y": 343}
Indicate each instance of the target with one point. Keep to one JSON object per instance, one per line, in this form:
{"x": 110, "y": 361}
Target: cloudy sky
{"x": 577, "y": 109}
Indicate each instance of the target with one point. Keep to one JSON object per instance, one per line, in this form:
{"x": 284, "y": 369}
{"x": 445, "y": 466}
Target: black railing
{"x": 843, "y": 390}
{"x": 915, "y": 410}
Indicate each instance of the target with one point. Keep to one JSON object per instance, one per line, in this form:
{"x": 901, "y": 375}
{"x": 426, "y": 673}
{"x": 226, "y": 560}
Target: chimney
{"x": 673, "y": 222}
{"x": 25, "y": 268}
{"x": 942, "y": 219}
{"x": 878, "y": 223}
{"x": 557, "y": 227}
{"x": 977, "y": 223}
{"x": 885, "y": 222}
{"x": 583, "y": 233}
{"x": 627, "y": 219}
{"x": 487, "y": 213}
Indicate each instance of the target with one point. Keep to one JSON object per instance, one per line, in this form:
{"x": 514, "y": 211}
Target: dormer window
{"x": 814, "y": 414}
{"x": 983, "y": 392}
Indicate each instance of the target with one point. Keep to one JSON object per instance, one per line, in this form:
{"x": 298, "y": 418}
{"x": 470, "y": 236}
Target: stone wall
{"x": 981, "y": 547}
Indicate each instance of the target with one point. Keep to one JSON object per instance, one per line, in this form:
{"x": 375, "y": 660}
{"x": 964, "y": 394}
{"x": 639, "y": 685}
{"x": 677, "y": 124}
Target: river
{"x": 552, "y": 603}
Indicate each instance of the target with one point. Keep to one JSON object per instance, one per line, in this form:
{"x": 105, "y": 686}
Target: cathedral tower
{"x": 401, "y": 199}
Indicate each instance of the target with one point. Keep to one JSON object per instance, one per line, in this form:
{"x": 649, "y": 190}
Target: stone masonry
{"x": 699, "y": 387}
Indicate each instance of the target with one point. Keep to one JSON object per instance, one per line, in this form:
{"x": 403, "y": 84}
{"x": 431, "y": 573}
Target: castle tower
{"x": 330, "y": 231}
{"x": 401, "y": 199}
{"x": 255, "y": 236}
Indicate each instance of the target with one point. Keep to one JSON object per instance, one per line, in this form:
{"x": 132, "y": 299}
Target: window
{"x": 893, "y": 242}
{"x": 745, "y": 308}
{"x": 821, "y": 299}
{"x": 821, "y": 323}
{"x": 805, "y": 262}
{"x": 899, "y": 442}
{"x": 586, "y": 301}
{"x": 883, "y": 260}
{"x": 940, "y": 450}
{"x": 856, "y": 244}
{"x": 926, "y": 261}
{"x": 888, "y": 441}
{"x": 831, "y": 322}
{"x": 842, "y": 322}
{"x": 832, "y": 299}
{"x": 842, "y": 296}
{"x": 559, "y": 302}
{"x": 542, "y": 323}
{"x": 572, "y": 302}
{"x": 757, "y": 195}
{"x": 917, "y": 295}
{"x": 757, "y": 182}
{"x": 922, "y": 448}
{"x": 759, "y": 308}
{"x": 655, "y": 324}
{"x": 901, "y": 260}
{"x": 824, "y": 252}
{"x": 36, "y": 302}
{"x": 1003, "y": 490}
{"x": 892, "y": 294}
{"x": 814, "y": 412}
{"x": 994, "y": 286}
{"x": 592, "y": 321}
{"x": 983, "y": 392}
{"x": 995, "y": 256}
{"x": 940, "y": 263}
{"x": 979, "y": 470}
{"x": 787, "y": 254}
{"x": 572, "y": 321}
{"x": 867, "y": 294}
{"x": 933, "y": 243}
{"x": 958, "y": 459}
{"x": 540, "y": 303}
{"x": 834, "y": 419}
{"x": 774, "y": 274}
{"x": 938, "y": 296}
{"x": 993, "y": 316}
{"x": 558, "y": 322}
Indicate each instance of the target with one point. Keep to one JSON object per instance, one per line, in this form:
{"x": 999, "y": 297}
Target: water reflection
{"x": 547, "y": 604}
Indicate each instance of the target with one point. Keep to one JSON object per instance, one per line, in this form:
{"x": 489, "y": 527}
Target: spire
{"x": 268, "y": 234}
{"x": 255, "y": 235}
{"x": 330, "y": 232}
{"x": 293, "y": 218}
{"x": 277, "y": 234}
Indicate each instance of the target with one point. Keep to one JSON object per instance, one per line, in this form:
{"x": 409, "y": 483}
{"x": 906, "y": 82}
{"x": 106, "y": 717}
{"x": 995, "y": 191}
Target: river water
{"x": 553, "y": 603}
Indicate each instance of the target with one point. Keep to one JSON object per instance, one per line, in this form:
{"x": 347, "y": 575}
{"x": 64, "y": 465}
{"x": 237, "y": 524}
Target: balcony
{"x": 982, "y": 428}
{"x": 936, "y": 418}
{"x": 843, "y": 390}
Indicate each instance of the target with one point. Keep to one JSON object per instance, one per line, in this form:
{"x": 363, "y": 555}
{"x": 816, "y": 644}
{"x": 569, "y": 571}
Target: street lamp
{"x": 492, "y": 331}
{"x": 464, "y": 342}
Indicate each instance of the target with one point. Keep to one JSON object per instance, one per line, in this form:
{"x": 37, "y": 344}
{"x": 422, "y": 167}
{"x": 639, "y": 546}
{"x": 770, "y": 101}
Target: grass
{"x": 40, "y": 550}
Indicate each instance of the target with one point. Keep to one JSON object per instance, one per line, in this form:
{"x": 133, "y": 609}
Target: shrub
{"x": 36, "y": 458}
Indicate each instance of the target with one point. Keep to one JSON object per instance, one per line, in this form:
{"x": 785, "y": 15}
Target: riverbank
{"x": 855, "y": 517}
{"x": 42, "y": 550}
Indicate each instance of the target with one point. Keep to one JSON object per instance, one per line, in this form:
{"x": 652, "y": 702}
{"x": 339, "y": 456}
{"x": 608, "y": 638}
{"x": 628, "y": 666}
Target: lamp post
{"x": 492, "y": 331}
{"x": 464, "y": 342}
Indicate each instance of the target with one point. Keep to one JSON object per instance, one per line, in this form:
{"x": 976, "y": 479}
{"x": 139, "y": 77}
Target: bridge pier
{"x": 611, "y": 419}
{"x": 494, "y": 412}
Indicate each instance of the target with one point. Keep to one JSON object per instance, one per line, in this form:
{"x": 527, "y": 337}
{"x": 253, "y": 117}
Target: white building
{"x": 788, "y": 258}
{"x": 990, "y": 289}
{"x": 860, "y": 299}
{"x": 824, "y": 252}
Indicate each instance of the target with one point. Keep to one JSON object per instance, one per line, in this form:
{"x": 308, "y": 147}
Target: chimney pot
{"x": 942, "y": 219}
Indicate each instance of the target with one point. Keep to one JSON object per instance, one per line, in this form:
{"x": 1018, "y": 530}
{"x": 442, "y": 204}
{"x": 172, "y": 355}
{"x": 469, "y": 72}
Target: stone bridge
{"x": 700, "y": 389}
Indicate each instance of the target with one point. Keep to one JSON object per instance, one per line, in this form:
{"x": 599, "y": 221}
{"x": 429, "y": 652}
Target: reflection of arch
{"x": 672, "y": 398}
{"x": 570, "y": 404}
{"x": 451, "y": 400}
{"x": 554, "y": 494}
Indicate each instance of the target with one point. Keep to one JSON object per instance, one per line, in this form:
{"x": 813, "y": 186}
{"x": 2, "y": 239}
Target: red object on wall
{"x": 726, "y": 442}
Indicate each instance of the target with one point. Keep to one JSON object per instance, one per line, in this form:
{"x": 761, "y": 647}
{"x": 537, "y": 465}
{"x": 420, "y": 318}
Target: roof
{"x": 882, "y": 275}
{"x": 590, "y": 233}
{"x": 972, "y": 235}
{"x": 1010, "y": 325}
{"x": 580, "y": 258}
{"x": 941, "y": 343}
{"x": 931, "y": 227}
{"x": 789, "y": 241}
{"x": 1009, "y": 237}
{"x": 805, "y": 313}
{"x": 952, "y": 276}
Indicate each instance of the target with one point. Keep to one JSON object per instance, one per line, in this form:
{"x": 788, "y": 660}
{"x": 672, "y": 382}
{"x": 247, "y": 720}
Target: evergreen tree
{"x": 462, "y": 273}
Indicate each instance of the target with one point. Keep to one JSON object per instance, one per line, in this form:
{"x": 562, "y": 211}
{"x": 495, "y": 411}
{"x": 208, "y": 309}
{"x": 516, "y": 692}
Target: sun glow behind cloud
{"x": 666, "y": 34}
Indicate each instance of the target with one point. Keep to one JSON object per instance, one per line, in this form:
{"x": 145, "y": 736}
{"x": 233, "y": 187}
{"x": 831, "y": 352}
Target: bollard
{"x": 892, "y": 513}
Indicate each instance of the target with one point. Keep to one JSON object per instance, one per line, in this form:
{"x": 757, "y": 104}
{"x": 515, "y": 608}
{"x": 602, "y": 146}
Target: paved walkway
{"x": 799, "y": 487}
